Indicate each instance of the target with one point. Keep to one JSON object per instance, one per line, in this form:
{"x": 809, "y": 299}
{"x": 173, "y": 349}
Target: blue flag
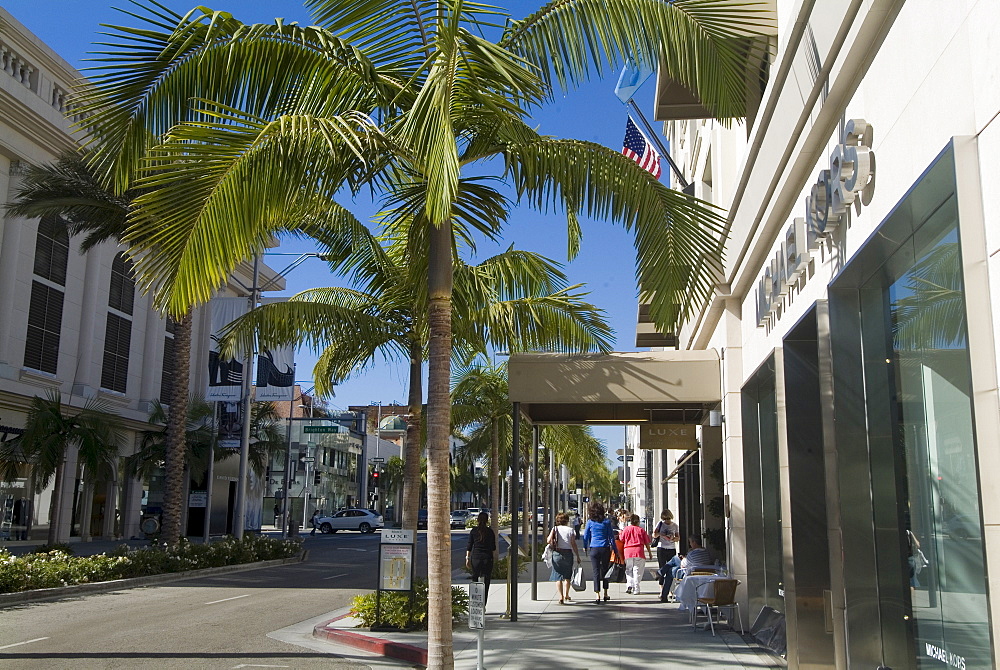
{"x": 633, "y": 76}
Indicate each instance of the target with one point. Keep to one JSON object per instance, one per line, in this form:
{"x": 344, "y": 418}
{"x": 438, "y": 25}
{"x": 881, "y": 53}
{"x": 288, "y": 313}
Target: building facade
{"x": 856, "y": 323}
{"x": 73, "y": 322}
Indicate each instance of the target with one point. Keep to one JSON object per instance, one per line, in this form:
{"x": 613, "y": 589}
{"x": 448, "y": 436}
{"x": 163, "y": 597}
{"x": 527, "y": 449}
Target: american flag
{"x": 639, "y": 149}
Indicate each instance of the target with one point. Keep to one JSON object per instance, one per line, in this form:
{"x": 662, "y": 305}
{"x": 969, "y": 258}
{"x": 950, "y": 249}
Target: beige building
{"x": 73, "y": 322}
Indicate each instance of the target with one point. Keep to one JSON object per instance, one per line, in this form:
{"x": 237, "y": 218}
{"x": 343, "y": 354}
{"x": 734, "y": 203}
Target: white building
{"x": 73, "y": 322}
{"x": 856, "y": 324}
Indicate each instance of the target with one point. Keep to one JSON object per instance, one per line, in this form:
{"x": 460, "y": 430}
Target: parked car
{"x": 421, "y": 518}
{"x": 459, "y": 517}
{"x": 473, "y": 511}
{"x": 362, "y": 520}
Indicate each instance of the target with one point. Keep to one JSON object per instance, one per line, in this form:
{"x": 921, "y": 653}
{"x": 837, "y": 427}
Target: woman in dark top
{"x": 479, "y": 551}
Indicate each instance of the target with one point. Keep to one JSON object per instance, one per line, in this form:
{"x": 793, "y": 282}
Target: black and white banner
{"x": 275, "y": 371}
{"x": 225, "y": 376}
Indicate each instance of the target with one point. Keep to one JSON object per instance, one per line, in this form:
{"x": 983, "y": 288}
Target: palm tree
{"x": 70, "y": 190}
{"x": 262, "y": 125}
{"x": 50, "y": 430}
{"x": 513, "y": 300}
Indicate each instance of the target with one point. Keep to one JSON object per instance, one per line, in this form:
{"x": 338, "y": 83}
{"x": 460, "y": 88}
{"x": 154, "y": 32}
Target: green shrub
{"x": 397, "y": 609}
{"x": 50, "y": 569}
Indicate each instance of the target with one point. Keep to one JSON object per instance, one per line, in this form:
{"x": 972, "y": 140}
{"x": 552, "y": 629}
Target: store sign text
{"x": 945, "y": 656}
{"x": 849, "y": 181}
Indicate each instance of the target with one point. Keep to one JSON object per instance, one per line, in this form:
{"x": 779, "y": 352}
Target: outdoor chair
{"x": 723, "y": 598}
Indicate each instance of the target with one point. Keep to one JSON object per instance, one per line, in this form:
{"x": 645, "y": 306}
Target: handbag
{"x": 615, "y": 574}
{"x": 554, "y": 539}
{"x": 577, "y": 580}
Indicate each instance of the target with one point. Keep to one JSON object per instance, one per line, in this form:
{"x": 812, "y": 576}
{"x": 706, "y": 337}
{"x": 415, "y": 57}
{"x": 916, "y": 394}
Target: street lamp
{"x": 378, "y": 438}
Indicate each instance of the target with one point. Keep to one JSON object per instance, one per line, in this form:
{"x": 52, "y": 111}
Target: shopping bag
{"x": 547, "y": 556}
{"x": 577, "y": 582}
{"x": 616, "y": 573}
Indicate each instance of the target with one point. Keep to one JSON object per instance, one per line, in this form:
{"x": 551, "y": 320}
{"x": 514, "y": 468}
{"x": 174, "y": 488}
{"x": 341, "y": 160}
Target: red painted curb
{"x": 375, "y": 645}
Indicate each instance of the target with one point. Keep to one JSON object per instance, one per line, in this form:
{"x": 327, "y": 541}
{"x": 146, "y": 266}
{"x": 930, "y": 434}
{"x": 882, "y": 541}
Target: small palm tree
{"x": 51, "y": 429}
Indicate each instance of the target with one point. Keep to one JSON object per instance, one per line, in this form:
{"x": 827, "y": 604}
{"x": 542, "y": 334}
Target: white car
{"x": 362, "y": 520}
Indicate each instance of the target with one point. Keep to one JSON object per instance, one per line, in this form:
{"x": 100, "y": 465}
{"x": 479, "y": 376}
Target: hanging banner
{"x": 225, "y": 376}
{"x": 230, "y": 425}
{"x": 275, "y": 371}
{"x": 668, "y": 436}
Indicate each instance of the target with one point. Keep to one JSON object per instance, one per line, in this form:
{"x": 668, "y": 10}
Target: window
{"x": 117, "y": 338}
{"x": 41, "y": 350}
{"x": 122, "y": 294}
{"x": 52, "y": 250}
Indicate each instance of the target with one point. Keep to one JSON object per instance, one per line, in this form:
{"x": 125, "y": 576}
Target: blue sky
{"x": 606, "y": 263}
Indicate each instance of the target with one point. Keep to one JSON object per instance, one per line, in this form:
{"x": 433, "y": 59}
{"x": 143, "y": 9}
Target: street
{"x": 220, "y": 621}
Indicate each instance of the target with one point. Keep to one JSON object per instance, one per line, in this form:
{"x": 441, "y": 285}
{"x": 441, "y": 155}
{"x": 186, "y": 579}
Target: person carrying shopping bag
{"x": 599, "y": 543}
{"x": 665, "y": 535}
{"x": 562, "y": 539}
{"x": 636, "y": 541}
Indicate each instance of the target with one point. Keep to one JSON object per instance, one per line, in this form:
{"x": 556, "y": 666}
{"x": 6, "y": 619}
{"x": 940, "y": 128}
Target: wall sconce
{"x": 715, "y": 418}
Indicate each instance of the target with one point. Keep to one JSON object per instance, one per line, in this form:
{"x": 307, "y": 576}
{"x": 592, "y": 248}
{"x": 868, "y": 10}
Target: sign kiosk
{"x": 395, "y": 569}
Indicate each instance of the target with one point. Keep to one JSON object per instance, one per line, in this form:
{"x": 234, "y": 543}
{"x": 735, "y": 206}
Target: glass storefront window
{"x": 923, "y": 452}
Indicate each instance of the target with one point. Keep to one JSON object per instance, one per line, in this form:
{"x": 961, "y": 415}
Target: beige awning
{"x": 617, "y": 388}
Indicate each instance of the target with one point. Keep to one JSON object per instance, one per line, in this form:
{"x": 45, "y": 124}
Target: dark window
{"x": 52, "y": 250}
{"x": 116, "y": 347}
{"x": 122, "y": 285}
{"x": 167, "y": 380}
{"x": 41, "y": 351}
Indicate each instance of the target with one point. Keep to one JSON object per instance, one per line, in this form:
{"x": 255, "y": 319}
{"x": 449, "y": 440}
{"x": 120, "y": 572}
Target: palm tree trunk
{"x": 175, "y": 434}
{"x": 495, "y": 482}
{"x": 440, "y": 650}
{"x": 414, "y": 445}
{"x": 55, "y": 503}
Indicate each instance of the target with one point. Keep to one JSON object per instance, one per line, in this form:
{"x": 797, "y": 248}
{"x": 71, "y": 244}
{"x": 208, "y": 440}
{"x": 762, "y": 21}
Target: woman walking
{"x": 562, "y": 539}
{"x": 668, "y": 532}
{"x": 636, "y": 541}
{"x": 599, "y": 542}
{"x": 479, "y": 551}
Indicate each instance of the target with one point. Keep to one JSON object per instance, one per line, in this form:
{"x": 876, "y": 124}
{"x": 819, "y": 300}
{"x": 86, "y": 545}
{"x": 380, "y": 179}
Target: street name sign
{"x": 321, "y": 429}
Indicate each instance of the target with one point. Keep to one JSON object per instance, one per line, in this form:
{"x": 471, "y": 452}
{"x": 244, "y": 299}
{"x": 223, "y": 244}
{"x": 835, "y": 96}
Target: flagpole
{"x": 663, "y": 150}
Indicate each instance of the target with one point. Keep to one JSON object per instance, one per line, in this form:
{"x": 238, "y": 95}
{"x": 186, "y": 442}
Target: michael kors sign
{"x": 850, "y": 180}
{"x": 667, "y": 436}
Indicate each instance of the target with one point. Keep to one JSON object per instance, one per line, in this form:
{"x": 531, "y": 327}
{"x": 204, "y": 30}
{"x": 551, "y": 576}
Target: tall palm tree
{"x": 404, "y": 96}
{"x": 514, "y": 300}
{"x": 71, "y": 190}
{"x": 50, "y": 430}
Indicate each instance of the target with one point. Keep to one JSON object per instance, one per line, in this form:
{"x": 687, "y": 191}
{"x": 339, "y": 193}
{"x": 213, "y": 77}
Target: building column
{"x": 131, "y": 508}
{"x": 110, "y": 504}
{"x": 87, "y": 379}
{"x": 732, "y": 449}
{"x": 10, "y": 243}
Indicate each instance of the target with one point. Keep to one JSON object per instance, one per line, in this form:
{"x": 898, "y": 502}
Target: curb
{"x": 22, "y": 597}
{"x": 374, "y": 645}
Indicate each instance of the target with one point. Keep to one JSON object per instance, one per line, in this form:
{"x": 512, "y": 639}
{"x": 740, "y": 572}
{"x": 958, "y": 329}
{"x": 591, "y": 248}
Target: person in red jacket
{"x": 636, "y": 541}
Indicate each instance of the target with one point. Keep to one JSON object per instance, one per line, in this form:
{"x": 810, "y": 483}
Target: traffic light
{"x": 316, "y": 478}
{"x": 375, "y": 477}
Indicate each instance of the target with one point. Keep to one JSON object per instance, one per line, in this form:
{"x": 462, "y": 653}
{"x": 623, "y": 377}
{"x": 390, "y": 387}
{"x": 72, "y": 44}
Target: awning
{"x": 617, "y": 388}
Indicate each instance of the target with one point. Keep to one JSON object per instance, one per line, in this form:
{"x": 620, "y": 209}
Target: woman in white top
{"x": 562, "y": 539}
{"x": 668, "y": 533}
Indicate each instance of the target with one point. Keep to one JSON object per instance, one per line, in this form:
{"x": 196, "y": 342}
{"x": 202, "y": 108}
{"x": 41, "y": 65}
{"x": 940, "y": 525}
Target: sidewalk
{"x": 627, "y": 632}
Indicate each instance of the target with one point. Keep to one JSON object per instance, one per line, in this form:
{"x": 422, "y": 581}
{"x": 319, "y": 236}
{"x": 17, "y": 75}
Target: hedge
{"x": 51, "y": 568}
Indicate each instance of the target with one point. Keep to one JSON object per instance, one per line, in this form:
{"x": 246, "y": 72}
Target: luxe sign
{"x": 849, "y": 181}
{"x": 667, "y": 436}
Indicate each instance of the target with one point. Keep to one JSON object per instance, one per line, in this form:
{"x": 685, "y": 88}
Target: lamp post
{"x": 378, "y": 439}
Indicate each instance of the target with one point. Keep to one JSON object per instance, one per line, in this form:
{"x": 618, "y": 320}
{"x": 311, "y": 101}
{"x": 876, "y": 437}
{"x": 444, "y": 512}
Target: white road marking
{"x": 18, "y": 644}
{"x": 254, "y": 665}
{"x": 245, "y": 595}
{"x": 335, "y": 576}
